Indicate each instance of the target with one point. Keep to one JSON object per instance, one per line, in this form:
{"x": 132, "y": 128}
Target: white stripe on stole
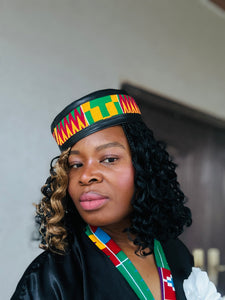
{"x": 121, "y": 263}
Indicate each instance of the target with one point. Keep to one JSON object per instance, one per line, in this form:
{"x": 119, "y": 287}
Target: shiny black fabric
{"x": 87, "y": 273}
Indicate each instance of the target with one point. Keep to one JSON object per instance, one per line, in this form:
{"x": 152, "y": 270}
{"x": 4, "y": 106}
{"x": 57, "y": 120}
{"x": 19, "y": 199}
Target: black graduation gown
{"x": 85, "y": 272}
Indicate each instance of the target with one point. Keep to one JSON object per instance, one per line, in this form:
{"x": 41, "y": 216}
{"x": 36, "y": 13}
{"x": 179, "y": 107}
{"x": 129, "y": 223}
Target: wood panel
{"x": 220, "y": 3}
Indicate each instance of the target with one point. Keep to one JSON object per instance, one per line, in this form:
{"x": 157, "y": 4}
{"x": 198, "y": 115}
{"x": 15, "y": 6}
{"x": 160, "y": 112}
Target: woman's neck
{"x": 122, "y": 238}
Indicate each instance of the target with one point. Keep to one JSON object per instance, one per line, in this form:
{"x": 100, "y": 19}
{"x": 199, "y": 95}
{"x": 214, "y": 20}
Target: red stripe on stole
{"x": 113, "y": 246}
{"x": 93, "y": 228}
{"x": 111, "y": 256}
{"x": 168, "y": 289}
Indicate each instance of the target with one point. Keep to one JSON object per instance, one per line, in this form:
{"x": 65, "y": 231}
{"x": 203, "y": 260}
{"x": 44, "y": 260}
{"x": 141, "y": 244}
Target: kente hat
{"x": 91, "y": 113}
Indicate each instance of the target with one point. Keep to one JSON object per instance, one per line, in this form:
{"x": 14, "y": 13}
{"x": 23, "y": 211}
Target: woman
{"x": 112, "y": 209}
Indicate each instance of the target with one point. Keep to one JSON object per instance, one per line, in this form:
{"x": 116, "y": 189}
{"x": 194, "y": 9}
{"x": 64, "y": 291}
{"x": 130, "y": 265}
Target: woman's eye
{"x": 110, "y": 159}
{"x": 76, "y": 165}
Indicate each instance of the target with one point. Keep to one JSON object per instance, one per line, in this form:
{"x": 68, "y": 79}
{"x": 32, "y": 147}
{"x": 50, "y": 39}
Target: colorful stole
{"x": 104, "y": 242}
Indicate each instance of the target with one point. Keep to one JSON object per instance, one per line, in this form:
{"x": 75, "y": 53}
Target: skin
{"x": 101, "y": 164}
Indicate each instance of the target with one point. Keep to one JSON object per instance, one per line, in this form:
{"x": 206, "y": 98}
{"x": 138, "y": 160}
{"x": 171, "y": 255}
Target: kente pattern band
{"x": 92, "y": 112}
{"x": 120, "y": 260}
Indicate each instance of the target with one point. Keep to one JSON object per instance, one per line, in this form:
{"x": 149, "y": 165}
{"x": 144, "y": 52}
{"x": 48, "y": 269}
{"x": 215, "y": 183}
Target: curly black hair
{"x": 158, "y": 204}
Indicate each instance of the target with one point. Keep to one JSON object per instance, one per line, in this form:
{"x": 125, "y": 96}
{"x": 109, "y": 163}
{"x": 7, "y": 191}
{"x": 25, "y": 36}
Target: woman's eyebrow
{"x": 109, "y": 145}
{"x": 101, "y": 147}
{"x": 74, "y": 152}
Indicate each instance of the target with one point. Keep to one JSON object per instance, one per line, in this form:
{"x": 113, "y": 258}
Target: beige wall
{"x": 53, "y": 51}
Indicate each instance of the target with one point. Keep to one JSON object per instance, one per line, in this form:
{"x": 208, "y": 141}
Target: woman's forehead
{"x": 105, "y": 138}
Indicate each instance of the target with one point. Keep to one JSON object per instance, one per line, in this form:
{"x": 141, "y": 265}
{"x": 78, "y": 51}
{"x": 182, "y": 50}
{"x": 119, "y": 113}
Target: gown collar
{"x": 124, "y": 265}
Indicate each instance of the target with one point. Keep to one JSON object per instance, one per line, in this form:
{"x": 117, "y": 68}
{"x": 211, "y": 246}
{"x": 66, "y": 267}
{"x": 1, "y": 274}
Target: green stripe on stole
{"x": 125, "y": 266}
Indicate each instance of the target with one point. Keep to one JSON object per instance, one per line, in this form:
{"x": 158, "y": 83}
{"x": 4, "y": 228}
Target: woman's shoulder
{"x": 176, "y": 244}
{"x": 44, "y": 277}
{"x": 178, "y": 255}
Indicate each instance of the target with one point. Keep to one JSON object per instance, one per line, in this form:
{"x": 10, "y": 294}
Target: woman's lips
{"x": 92, "y": 200}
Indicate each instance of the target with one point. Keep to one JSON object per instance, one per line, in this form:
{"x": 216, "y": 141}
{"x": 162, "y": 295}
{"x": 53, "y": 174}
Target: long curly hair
{"x": 158, "y": 203}
{"x": 50, "y": 212}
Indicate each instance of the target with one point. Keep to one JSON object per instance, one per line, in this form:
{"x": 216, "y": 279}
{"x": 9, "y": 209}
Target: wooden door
{"x": 196, "y": 141}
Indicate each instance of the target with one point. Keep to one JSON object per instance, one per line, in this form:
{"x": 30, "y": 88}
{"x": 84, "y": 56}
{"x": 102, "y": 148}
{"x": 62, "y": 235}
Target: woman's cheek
{"x": 126, "y": 179}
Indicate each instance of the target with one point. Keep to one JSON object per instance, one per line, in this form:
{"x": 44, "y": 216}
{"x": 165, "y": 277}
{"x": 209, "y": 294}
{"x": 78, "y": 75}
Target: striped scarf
{"x": 124, "y": 265}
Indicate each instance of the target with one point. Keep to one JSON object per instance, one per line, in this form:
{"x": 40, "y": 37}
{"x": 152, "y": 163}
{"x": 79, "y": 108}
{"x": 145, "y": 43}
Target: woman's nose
{"x": 90, "y": 174}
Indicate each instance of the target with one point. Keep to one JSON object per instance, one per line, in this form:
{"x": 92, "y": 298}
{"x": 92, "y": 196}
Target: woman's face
{"x": 101, "y": 177}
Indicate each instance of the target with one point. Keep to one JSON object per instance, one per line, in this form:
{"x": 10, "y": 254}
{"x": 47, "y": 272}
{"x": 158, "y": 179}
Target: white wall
{"x": 54, "y": 51}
